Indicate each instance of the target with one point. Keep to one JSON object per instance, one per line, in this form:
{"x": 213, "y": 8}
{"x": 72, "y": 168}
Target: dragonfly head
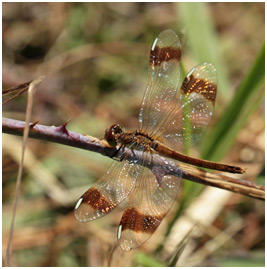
{"x": 112, "y": 134}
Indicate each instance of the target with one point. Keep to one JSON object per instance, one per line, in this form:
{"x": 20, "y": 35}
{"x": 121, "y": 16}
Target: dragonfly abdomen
{"x": 167, "y": 152}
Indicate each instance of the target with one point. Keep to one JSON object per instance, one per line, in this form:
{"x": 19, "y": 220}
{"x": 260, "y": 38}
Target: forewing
{"x": 110, "y": 190}
{"x": 188, "y": 120}
{"x": 164, "y": 79}
{"x": 149, "y": 203}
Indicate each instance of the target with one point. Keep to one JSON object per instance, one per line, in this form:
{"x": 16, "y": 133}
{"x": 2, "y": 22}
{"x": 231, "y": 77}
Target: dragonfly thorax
{"x": 115, "y": 135}
{"x": 141, "y": 140}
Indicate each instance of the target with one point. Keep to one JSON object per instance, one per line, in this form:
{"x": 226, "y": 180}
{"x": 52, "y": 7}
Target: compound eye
{"x": 117, "y": 129}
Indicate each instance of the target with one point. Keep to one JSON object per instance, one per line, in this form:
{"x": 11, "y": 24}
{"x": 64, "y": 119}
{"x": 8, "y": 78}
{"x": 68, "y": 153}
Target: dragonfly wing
{"x": 110, "y": 190}
{"x": 149, "y": 203}
{"x": 164, "y": 79}
{"x": 188, "y": 120}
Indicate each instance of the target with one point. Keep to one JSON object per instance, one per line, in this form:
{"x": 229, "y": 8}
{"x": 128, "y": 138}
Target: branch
{"x": 61, "y": 135}
{"x": 58, "y": 135}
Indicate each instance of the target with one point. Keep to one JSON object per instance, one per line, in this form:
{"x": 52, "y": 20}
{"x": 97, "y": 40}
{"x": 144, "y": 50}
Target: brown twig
{"x": 61, "y": 135}
{"x": 18, "y": 90}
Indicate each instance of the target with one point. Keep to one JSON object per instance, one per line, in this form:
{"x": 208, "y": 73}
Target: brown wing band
{"x": 204, "y": 87}
{"x": 165, "y": 54}
{"x": 96, "y": 200}
{"x": 138, "y": 222}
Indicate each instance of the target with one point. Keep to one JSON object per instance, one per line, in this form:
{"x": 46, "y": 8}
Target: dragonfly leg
{"x": 117, "y": 151}
{"x": 133, "y": 153}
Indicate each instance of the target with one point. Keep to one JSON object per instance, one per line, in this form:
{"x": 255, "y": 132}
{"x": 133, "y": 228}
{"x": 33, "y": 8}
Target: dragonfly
{"x": 174, "y": 114}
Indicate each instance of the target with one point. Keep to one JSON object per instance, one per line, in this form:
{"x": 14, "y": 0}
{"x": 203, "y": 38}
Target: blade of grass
{"x": 24, "y": 143}
{"x": 238, "y": 112}
{"x": 202, "y": 39}
{"x": 180, "y": 248}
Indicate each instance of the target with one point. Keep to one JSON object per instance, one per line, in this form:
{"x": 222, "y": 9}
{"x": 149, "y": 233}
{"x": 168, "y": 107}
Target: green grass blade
{"x": 202, "y": 39}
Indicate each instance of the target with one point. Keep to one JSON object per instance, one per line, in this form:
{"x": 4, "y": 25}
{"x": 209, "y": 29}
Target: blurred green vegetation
{"x": 95, "y": 58}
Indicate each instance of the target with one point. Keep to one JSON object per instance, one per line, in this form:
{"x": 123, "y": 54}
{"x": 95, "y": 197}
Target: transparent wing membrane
{"x": 109, "y": 191}
{"x": 164, "y": 79}
{"x": 187, "y": 116}
{"x": 149, "y": 203}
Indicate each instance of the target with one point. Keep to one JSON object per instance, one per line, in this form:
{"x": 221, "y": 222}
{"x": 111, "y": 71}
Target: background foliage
{"x": 95, "y": 59}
